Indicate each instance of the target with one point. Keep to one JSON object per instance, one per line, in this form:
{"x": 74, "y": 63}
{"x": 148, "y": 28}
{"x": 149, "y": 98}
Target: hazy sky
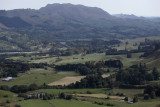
{"x": 137, "y": 7}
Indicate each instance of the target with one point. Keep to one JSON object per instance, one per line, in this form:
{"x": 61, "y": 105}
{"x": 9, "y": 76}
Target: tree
{"x": 68, "y": 97}
{"x": 129, "y": 55}
{"x": 4, "y": 87}
{"x": 153, "y": 95}
{"x": 135, "y": 99}
{"x": 155, "y": 74}
{"x": 19, "y": 89}
{"x": 14, "y": 88}
{"x": 33, "y": 87}
{"x": 62, "y": 95}
{"x": 146, "y": 96}
{"x": 126, "y": 98}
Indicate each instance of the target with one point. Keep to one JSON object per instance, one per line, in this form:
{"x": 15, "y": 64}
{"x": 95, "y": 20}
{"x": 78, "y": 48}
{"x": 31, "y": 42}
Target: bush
{"x": 7, "y": 101}
{"x": 126, "y": 98}
{"x": 146, "y": 96}
{"x": 68, "y": 97}
{"x": 62, "y": 95}
{"x": 5, "y": 96}
{"x": 135, "y": 99}
{"x": 4, "y": 87}
{"x": 108, "y": 98}
{"x": 17, "y": 105}
{"x": 89, "y": 92}
{"x": 109, "y": 104}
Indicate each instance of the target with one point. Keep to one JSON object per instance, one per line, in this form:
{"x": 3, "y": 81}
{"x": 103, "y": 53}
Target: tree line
{"x": 90, "y": 67}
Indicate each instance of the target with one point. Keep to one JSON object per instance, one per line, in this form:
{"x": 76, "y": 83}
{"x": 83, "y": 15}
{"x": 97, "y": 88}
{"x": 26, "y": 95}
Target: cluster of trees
{"x": 152, "y": 91}
{"x": 93, "y": 81}
{"x": 93, "y": 43}
{"x": 114, "y": 63}
{"x": 90, "y": 67}
{"x": 120, "y": 52}
{"x": 23, "y": 88}
{"x": 137, "y": 75}
{"x": 150, "y": 45}
{"x": 83, "y": 69}
{"x": 20, "y": 88}
{"x": 10, "y": 68}
{"x": 65, "y": 96}
{"x": 155, "y": 46}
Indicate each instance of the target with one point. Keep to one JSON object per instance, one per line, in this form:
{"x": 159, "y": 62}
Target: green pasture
{"x": 57, "y": 103}
{"x": 37, "y": 76}
{"x": 8, "y": 96}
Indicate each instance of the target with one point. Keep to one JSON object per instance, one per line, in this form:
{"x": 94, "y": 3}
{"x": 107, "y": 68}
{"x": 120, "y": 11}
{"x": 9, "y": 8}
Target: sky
{"x": 136, "y": 7}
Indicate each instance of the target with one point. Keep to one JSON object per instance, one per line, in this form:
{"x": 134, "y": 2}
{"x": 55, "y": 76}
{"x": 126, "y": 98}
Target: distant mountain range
{"x": 27, "y": 27}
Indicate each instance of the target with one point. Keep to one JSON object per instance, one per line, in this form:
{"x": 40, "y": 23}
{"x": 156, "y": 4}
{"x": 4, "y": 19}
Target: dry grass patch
{"x": 71, "y": 79}
{"x": 93, "y": 95}
{"x": 105, "y": 75}
{"x": 67, "y": 80}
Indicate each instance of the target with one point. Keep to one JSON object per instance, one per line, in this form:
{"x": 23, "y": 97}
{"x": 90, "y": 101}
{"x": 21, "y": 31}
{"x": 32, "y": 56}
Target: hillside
{"x": 61, "y": 22}
{"x": 153, "y": 60}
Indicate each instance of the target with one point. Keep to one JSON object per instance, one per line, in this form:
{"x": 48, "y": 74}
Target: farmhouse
{"x": 7, "y": 79}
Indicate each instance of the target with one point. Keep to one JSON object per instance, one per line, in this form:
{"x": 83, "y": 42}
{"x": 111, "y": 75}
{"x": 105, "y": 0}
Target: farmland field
{"x": 38, "y": 76}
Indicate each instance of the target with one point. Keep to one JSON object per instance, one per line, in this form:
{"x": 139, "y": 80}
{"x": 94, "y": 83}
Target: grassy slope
{"x": 12, "y": 97}
{"x": 56, "y": 103}
{"x": 75, "y": 103}
{"x": 34, "y": 103}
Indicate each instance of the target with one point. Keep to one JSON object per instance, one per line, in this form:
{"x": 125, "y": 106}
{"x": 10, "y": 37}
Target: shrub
{"x": 146, "y": 96}
{"x": 89, "y": 92}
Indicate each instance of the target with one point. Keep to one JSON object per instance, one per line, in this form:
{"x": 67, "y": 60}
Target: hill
{"x": 61, "y": 22}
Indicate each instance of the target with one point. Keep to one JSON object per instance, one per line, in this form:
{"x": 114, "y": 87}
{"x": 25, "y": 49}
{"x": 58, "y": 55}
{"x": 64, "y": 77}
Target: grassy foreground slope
{"x": 75, "y": 103}
{"x": 8, "y": 96}
{"x": 57, "y": 103}
{"x": 34, "y": 103}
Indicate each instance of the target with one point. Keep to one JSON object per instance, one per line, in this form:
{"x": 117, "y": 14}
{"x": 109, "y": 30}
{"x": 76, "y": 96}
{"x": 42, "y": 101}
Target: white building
{"x": 7, "y": 79}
